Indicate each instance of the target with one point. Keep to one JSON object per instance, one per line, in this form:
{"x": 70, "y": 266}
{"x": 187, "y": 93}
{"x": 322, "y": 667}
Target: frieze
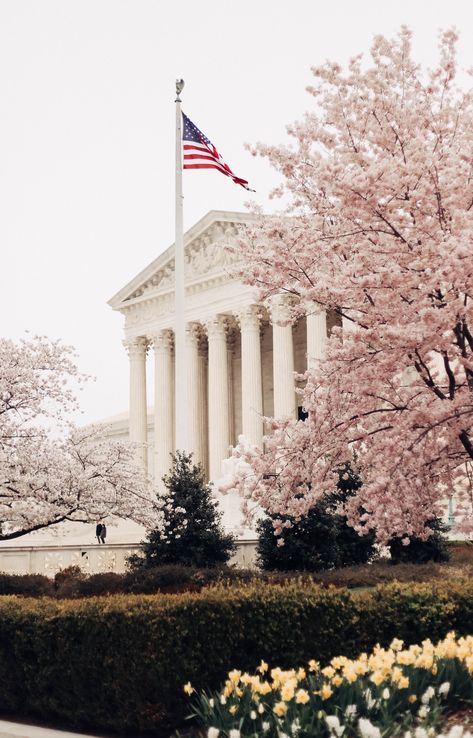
{"x": 146, "y": 312}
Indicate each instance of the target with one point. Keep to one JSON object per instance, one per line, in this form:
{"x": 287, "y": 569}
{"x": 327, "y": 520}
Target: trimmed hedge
{"x": 119, "y": 663}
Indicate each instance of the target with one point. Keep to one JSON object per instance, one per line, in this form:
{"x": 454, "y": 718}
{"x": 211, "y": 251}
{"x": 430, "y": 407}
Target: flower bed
{"x": 118, "y": 663}
{"x": 390, "y": 691}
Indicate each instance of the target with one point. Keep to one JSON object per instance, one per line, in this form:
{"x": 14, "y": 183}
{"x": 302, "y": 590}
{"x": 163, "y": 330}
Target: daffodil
{"x": 377, "y": 678}
{"x": 326, "y": 691}
{"x": 280, "y": 709}
{"x": 302, "y": 697}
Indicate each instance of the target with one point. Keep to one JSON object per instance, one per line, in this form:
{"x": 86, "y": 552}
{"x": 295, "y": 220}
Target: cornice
{"x": 165, "y": 295}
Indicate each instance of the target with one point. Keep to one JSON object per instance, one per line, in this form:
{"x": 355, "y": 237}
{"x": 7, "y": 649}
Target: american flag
{"x": 200, "y": 153}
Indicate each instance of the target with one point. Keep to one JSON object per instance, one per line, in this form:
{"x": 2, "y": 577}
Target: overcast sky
{"x": 87, "y": 138}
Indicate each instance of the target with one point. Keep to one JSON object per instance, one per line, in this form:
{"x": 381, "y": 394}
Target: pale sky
{"x": 87, "y": 138}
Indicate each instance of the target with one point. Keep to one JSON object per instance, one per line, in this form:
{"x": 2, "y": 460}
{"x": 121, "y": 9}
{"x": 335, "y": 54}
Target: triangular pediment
{"x": 204, "y": 253}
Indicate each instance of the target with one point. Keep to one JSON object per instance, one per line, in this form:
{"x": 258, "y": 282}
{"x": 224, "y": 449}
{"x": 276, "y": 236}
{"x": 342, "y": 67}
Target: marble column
{"x": 138, "y": 415}
{"x": 348, "y": 326}
{"x": 163, "y": 403}
{"x": 202, "y": 385}
{"x": 231, "y": 340}
{"x": 195, "y": 398}
{"x": 251, "y": 377}
{"x": 218, "y": 410}
{"x": 283, "y": 360}
{"x": 316, "y": 335}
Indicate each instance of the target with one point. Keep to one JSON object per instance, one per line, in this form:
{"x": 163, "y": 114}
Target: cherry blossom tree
{"x": 380, "y": 230}
{"x": 50, "y": 470}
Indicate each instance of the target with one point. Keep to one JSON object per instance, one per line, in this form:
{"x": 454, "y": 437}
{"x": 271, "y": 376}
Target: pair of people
{"x": 100, "y": 532}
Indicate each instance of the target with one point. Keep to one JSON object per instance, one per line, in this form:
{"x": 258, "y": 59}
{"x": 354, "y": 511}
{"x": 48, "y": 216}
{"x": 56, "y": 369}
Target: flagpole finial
{"x": 179, "y": 88}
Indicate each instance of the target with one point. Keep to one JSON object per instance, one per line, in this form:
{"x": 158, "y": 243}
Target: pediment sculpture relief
{"x": 205, "y": 255}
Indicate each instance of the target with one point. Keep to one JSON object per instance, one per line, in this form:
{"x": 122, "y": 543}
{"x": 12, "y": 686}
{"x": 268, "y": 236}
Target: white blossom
{"x": 420, "y": 732}
{"x": 334, "y": 725}
{"x": 213, "y": 733}
{"x": 370, "y": 702}
{"x": 456, "y": 731}
{"x": 444, "y": 689}
{"x": 427, "y": 696}
{"x": 63, "y": 473}
{"x": 367, "y": 729}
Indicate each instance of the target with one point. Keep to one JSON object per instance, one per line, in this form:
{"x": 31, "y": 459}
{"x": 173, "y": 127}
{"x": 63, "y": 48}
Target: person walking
{"x": 98, "y": 531}
{"x": 103, "y": 533}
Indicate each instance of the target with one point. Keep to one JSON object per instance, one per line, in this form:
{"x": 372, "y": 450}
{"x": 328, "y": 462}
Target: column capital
{"x": 194, "y": 333}
{"x": 280, "y": 310}
{"x": 217, "y": 327}
{"x": 164, "y": 340}
{"x": 136, "y": 347}
{"x": 249, "y": 317}
{"x": 312, "y": 308}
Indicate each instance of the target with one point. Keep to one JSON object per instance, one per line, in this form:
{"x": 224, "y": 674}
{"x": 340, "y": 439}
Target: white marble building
{"x": 241, "y": 356}
{"x": 241, "y": 363}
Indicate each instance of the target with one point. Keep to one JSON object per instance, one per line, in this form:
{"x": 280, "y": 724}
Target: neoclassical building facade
{"x": 241, "y": 356}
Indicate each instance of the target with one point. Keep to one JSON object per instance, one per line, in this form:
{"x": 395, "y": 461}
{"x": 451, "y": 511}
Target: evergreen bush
{"x": 418, "y": 551}
{"x": 320, "y": 540}
{"x": 193, "y": 533}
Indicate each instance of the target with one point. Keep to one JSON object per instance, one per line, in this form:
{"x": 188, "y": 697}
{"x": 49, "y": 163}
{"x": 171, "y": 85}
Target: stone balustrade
{"x": 92, "y": 559}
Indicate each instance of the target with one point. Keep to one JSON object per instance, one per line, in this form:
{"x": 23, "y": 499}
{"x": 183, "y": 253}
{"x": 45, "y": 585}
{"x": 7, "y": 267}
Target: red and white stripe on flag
{"x": 200, "y": 153}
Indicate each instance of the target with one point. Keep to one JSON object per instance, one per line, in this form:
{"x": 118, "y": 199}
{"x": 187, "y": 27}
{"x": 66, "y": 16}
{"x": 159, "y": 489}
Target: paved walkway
{"x": 20, "y": 730}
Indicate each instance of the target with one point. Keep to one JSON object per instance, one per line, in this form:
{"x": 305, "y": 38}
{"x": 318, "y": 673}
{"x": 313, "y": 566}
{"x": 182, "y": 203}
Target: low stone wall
{"x": 92, "y": 559}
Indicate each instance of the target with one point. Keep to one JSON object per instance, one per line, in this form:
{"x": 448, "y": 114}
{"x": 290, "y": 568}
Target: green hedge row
{"x": 172, "y": 578}
{"x": 120, "y": 662}
{"x": 72, "y": 582}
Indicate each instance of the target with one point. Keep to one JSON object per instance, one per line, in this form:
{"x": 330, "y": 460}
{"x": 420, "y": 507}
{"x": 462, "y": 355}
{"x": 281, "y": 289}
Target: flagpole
{"x": 180, "y": 387}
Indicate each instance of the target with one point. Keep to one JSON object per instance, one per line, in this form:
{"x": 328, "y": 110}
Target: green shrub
{"x": 119, "y": 663}
{"x": 193, "y": 534}
{"x": 67, "y": 581}
{"x": 33, "y": 585}
{"x": 320, "y": 540}
{"x": 100, "y": 584}
{"x": 159, "y": 578}
{"x": 434, "y": 548}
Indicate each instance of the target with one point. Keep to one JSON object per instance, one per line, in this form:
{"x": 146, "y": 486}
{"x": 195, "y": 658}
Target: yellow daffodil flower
{"x": 280, "y": 709}
{"x": 326, "y": 691}
{"x": 302, "y": 697}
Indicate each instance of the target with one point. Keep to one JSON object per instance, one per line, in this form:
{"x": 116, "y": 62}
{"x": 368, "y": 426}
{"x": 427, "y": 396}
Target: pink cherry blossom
{"x": 380, "y": 230}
